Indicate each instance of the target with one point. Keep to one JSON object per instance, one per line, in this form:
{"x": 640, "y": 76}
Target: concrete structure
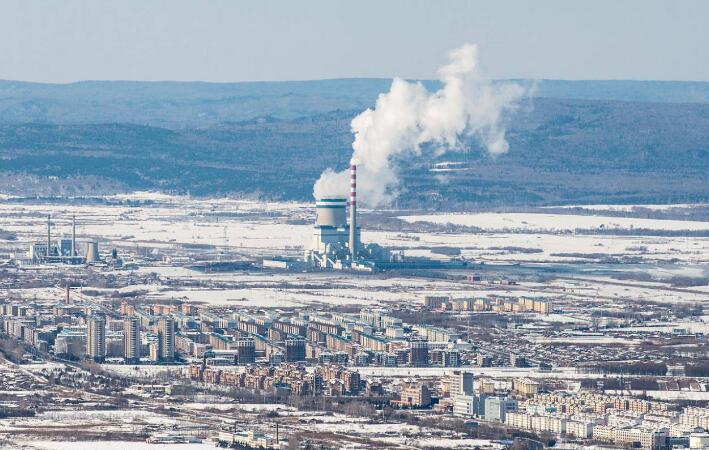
{"x": 435, "y": 301}
{"x": 336, "y": 244}
{"x": 92, "y": 252}
{"x": 517, "y": 361}
{"x": 331, "y": 212}
{"x": 462, "y": 383}
{"x": 329, "y": 248}
{"x": 525, "y": 387}
{"x": 638, "y": 437}
{"x": 96, "y": 338}
{"x": 38, "y": 251}
{"x": 419, "y": 352}
{"x": 246, "y": 347}
{"x": 248, "y": 439}
{"x": 496, "y": 408}
{"x": 61, "y": 251}
{"x": 415, "y": 395}
{"x": 65, "y": 247}
{"x": 166, "y": 339}
{"x": 71, "y": 342}
{"x": 131, "y": 340}
{"x": 295, "y": 349}
{"x": 699, "y": 440}
{"x": 463, "y": 405}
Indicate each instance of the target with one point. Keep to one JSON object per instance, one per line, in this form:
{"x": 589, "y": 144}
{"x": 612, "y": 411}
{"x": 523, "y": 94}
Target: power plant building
{"x": 62, "y": 251}
{"x": 331, "y": 234}
{"x": 336, "y": 243}
{"x": 92, "y": 255}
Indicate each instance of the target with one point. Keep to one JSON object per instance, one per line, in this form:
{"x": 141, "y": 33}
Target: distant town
{"x": 248, "y": 345}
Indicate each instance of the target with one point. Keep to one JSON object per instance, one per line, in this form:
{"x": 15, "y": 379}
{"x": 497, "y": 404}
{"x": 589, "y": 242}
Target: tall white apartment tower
{"x": 462, "y": 383}
{"x": 96, "y": 338}
{"x": 131, "y": 340}
{"x": 166, "y": 338}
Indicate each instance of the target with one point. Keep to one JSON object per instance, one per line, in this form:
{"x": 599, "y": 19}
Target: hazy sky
{"x": 61, "y": 41}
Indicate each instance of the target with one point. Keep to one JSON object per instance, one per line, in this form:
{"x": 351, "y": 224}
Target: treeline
{"x": 630, "y": 368}
{"x": 699, "y": 368}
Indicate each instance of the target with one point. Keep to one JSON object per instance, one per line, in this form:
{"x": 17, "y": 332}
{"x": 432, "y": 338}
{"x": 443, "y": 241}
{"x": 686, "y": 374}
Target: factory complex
{"x": 64, "y": 250}
{"x": 337, "y": 245}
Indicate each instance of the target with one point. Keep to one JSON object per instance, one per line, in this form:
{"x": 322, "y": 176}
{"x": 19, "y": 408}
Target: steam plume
{"x": 409, "y": 116}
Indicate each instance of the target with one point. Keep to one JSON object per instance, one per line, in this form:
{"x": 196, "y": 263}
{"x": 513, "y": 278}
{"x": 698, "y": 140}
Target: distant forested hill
{"x": 581, "y": 141}
{"x": 194, "y": 104}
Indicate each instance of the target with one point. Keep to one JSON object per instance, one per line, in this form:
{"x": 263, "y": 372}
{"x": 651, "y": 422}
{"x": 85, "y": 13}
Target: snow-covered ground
{"x": 583, "y": 340}
{"x": 529, "y": 246}
{"x": 630, "y": 208}
{"x": 178, "y": 222}
{"x": 255, "y": 229}
{"x": 554, "y": 222}
{"x": 108, "y": 445}
{"x": 701, "y": 396}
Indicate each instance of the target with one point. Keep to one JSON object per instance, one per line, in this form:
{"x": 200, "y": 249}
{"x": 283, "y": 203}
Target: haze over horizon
{"x": 221, "y": 41}
{"x": 309, "y": 80}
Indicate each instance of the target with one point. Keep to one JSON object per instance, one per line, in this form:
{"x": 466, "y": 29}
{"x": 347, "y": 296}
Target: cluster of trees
{"x": 631, "y": 368}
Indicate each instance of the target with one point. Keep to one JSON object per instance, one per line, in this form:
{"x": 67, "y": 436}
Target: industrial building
{"x": 336, "y": 243}
{"x": 63, "y": 250}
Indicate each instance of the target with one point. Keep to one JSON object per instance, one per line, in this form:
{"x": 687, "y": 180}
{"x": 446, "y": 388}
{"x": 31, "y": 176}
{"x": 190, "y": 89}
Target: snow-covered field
{"x": 700, "y": 396}
{"x": 630, "y": 208}
{"x": 583, "y": 340}
{"x": 108, "y": 445}
{"x": 542, "y": 246}
{"x": 252, "y": 229}
{"x": 554, "y": 222}
{"x": 182, "y": 221}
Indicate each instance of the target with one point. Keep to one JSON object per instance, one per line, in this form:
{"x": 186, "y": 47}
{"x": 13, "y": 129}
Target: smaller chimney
{"x": 67, "y": 299}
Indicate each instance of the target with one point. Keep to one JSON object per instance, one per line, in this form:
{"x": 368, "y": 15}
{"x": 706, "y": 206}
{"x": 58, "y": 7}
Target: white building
{"x": 463, "y": 405}
{"x": 96, "y": 338}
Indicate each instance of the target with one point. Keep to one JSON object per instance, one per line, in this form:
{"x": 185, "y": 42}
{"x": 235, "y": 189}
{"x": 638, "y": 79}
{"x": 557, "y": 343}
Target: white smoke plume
{"x": 409, "y": 116}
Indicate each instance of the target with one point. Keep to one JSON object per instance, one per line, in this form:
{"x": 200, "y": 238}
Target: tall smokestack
{"x": 73, "y": 235}
{"x": 353, "y": 211}
{"x": 49, "y": 235}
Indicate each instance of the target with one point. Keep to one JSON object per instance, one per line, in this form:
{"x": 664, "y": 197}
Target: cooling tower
{"x": 331, "y": 212}
{"x": 92, "y": 252}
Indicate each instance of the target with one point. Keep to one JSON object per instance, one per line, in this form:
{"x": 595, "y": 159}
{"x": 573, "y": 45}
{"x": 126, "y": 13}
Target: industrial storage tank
{"x": 92, "y": 252}
{"x": 331, "y": 212}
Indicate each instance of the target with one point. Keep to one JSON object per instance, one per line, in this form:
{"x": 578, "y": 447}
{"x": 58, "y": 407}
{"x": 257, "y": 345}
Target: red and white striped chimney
{"x": 353, "y": 211}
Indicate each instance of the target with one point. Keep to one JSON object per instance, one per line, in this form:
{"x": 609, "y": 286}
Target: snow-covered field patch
{"x": 554, "y": 222}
